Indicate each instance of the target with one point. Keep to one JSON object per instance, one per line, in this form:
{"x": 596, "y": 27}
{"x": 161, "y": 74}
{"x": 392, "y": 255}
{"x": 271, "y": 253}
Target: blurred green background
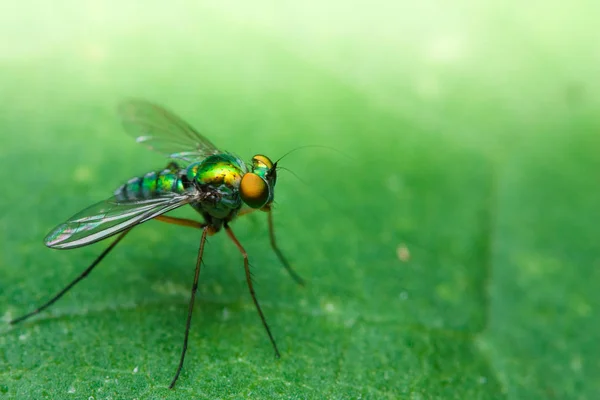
{"x": 473, "y": 140}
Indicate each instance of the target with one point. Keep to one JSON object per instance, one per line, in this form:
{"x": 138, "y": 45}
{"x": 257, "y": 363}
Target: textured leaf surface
{"x": 452, "y": 254}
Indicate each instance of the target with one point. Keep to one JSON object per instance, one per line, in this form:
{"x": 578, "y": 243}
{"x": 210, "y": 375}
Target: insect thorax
{"x": 218, "y": 177}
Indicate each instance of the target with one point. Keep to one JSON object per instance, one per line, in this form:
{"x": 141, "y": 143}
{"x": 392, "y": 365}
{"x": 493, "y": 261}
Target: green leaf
{"x": 449, "y": 241}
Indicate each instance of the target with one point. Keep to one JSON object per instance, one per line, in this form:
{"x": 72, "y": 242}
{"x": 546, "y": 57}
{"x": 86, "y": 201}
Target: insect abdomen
{"x": 151, "y": 185}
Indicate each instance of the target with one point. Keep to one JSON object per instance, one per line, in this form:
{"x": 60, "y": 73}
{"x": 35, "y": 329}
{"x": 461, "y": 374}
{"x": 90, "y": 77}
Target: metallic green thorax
{"x": 216, "y": 178}
{"x": 220, "y": 176}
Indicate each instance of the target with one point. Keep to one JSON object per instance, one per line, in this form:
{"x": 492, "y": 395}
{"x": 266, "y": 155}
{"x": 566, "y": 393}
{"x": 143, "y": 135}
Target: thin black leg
{"x": 251, "y": 287}
{"x": 283, "y": 260}
{"x": 73, "y": 283}
{"x": 205, "y": 231}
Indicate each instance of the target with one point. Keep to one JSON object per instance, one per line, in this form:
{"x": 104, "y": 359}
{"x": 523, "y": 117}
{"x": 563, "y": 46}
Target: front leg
{"x": 187, "y": 222}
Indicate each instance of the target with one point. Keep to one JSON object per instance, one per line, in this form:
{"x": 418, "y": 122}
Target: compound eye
{"x": 260, "y": 161}
{"x": 254, "y": 190}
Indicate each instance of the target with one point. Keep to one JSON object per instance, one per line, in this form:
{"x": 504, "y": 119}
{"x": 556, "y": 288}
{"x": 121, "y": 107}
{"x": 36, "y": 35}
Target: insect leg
{"x": 180, "y": 221}
{"x": 251, "y": 287}
{"x": 205, "y": 232}
{"x": 74, "y": 282}
{"x": 283, "y": 260}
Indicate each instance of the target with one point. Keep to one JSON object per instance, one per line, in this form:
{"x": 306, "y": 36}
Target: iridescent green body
{"x": 217, "y": 179}
{"x": 215, "y": 183}
{"x": 219, "y": 176}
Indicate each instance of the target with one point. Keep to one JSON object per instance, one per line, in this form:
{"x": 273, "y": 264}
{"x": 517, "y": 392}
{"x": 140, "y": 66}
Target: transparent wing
{"x": 110, "y": 217}
{"x": 163, "y": 131}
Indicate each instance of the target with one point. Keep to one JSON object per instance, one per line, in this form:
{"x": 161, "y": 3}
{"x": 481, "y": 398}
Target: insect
{"x": 217, "y": 184}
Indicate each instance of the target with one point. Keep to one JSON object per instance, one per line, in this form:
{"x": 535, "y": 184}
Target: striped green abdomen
{"x": 151, "y": 185}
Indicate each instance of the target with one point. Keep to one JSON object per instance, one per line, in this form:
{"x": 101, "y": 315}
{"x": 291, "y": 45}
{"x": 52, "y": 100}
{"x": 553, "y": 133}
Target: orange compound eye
{"x": 260, "y": 161}
{"x": 254, "y": 190}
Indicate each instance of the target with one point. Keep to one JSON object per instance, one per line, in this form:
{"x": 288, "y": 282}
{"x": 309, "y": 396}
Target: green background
{"x": 471, "y": 136}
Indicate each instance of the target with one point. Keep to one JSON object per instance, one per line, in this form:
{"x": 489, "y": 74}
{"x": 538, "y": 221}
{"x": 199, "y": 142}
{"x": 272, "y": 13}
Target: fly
{"x": 217, "y": 184}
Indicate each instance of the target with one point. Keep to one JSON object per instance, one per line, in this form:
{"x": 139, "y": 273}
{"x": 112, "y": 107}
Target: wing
{"x": 110, "y": 217}
{"x": 163, "y": 131}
